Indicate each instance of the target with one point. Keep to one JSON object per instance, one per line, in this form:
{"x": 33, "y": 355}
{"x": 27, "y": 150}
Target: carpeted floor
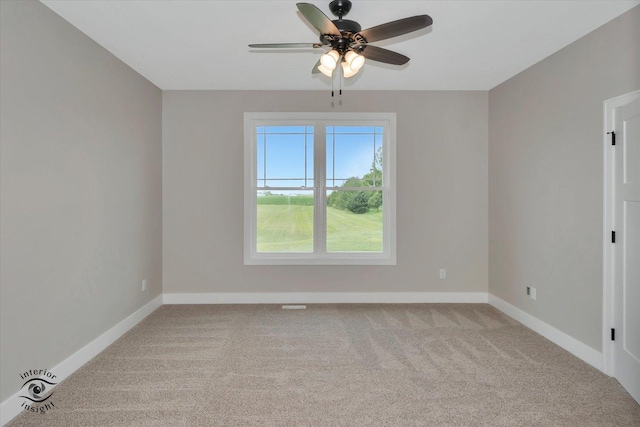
{"x": 335, "y": 365}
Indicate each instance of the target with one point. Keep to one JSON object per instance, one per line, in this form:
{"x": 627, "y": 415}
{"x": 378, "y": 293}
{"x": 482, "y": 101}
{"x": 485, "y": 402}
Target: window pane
{"x": 354, "y": 156}
{"x": 286, "y": 183}
{"x": 284, "y": 129}
{"x": 284, "y": 156}
{"x": 354, "y": 221}
{"x": 354, "y": 129}
{"x": 285, "y": 221}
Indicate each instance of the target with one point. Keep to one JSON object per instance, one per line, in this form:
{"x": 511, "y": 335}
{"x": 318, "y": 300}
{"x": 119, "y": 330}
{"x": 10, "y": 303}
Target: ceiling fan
{"x": 349, "y": 43}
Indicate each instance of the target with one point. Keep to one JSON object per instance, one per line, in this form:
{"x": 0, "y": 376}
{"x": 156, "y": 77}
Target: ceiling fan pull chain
{"x": 332, "y": 79}
{"x": 341, "y": 81}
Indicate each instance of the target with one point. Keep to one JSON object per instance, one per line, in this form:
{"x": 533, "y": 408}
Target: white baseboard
{"x": 11, "y": 407}
{"x": 326, "y": 298}
{"x": 572, "y": 345}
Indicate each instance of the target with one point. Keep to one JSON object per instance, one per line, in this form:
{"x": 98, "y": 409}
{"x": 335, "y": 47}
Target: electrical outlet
{"x": 443, "y": 273}
{"x": 144, "y": 285}
{"x": 531, "y": 292}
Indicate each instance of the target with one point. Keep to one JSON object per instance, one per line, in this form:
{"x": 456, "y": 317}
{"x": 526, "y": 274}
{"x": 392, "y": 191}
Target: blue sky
{"x": 352, "y": 147}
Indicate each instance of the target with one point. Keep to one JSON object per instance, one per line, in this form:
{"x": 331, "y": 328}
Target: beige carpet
{"x": 336, "y": 365}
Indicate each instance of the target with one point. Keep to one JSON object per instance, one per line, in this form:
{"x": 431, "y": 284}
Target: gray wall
{"x": 441, "y": 193}
{"x": 81, "y": 196}
{"x": 546, "y": 177}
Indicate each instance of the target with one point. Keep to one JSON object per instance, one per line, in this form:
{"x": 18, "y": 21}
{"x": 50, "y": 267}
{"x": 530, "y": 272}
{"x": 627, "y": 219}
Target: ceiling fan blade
{"x": 395, "y": 28}
{"x": 285, "y": 45}
{"x": 318, "y": 19}
{"x": 379, "y": 54}
{"x": 315, "y": 68}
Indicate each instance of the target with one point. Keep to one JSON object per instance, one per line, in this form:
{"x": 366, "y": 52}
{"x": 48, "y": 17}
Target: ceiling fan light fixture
{"x": 348, "y": 44}
{"x": 325, "y": 70}
{"x": 330, "y": 59}
{"x": 354, "y": 60}
{"x": 347, "y": 71}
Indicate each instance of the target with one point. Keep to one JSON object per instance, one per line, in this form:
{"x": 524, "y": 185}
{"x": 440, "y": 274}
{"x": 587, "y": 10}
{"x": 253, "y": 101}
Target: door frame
{"x": 608, "y": 310}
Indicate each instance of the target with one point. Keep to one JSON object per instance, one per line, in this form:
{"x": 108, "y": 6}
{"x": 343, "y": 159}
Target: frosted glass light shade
{"x": 348, "y": 71}
{"x": 355, "y": 61}
{"x": 325, "y": 71}
{"x": 330, "y": 59}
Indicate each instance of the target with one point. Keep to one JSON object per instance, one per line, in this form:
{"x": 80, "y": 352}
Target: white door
{"x": 626, "y": 347}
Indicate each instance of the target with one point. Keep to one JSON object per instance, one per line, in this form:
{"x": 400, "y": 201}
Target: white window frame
{"x": 320, "y": 256}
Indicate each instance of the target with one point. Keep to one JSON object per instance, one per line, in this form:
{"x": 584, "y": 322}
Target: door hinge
{"x": 613, "y": 137}
{"x": 613, "y": 237}
{"x": 613, "y": 334}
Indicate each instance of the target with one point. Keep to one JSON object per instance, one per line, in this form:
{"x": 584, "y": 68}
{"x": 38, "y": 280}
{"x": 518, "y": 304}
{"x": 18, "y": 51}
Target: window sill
{"x": 341, "y": 259}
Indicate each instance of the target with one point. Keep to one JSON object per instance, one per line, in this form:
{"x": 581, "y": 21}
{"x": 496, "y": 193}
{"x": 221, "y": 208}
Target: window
{"x": 319, "y": 188}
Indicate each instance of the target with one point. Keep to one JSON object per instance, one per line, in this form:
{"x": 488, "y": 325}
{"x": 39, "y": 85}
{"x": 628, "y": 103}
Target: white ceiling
{"x": 472, "y": 45}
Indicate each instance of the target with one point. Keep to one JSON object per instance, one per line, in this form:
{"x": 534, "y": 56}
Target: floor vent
{"x": 294, "y": 307}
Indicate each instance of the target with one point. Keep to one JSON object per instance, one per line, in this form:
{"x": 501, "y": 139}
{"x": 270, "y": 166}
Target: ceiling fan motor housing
{"x": 347, "y": 26}
{"x": 347, "y": 29}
